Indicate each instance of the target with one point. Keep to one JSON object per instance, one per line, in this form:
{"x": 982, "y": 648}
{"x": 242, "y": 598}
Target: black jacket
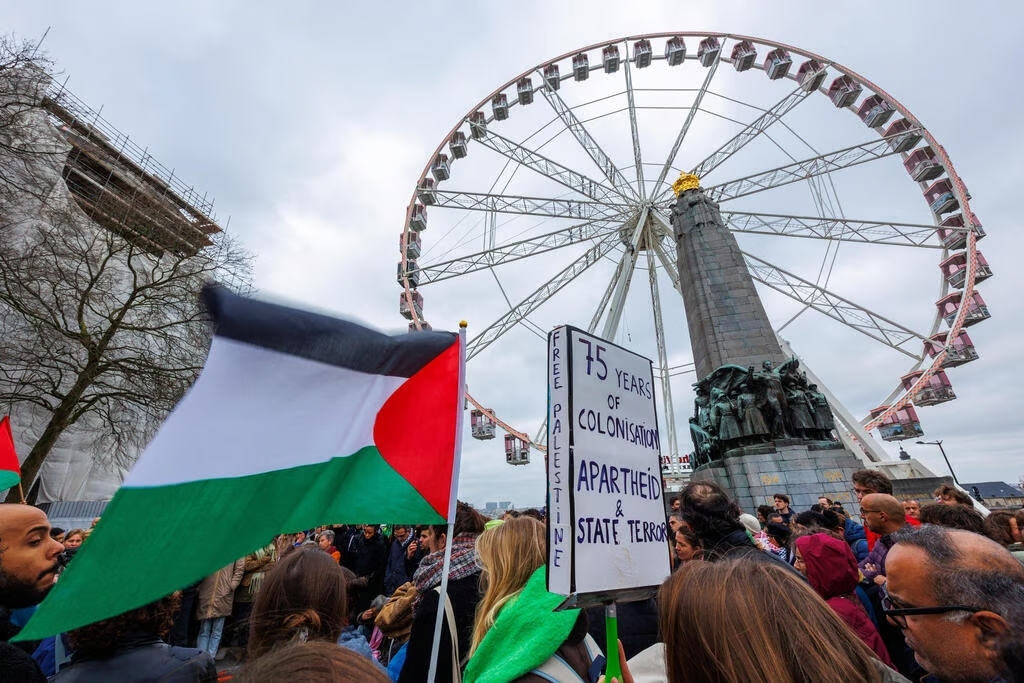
{"x": 143, "y": 660}
{"x": 464, "y": 595}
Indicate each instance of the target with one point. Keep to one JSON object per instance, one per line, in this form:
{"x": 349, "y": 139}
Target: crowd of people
{"x": 930, "y": 592}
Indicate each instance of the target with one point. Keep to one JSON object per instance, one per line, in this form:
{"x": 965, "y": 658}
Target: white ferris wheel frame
{"x": 615, "y": 190}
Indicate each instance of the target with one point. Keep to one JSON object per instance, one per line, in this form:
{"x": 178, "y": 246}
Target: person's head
{"x": 912, "y": 509}
{"x": 763, "y": 512}
{"x": 780, "y": 534}
{"x": 467, "y": 521}
{"x": 709, "y": 511}
{"x": 882, "y": 513}
{"x": 300, "y": 537}
{"x": 310, "y": 662}
{"x": 951, "y": 592}
{"x": 509, "y": 554}
{"x": 781, "y": 502}
{"x": 28, "y": 556}
{"x": 703, "y": 606}
{"x": 810, "y": 520}
{"x": 400, "y": 533}
{"x": 824, "y": 502}
{"x": 675, "y": 520}
{"x": 369, "y": 530}
{"x": 325, "y": 540}
{"x": 102, "y": 639}
{"x": 953, "y": 517}
{"x": 688, "y": 546}
{"x": 870, "y": 481}
{"x": 948, "y": 494}
{"x": 828, "y": 563}
{"x": 1001, "y": 527}
{"x": 674, "y": 503}
{"x": 73, "y": 539}
{"x": 775, "y": 518}
{"x": 302, "y": 598}
{"x": 57, "y": 534}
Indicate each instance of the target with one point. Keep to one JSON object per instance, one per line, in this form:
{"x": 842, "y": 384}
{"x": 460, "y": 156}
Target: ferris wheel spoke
{"x": 833, "y": 228}
{"x": 513, "y": 251}
{"x": 802, "y": 170}
{"x": 528, "y": 206}
{"x": 748, "y": 134}
{"x": 540, "y": 295}
{"x": 529, "y": 158}
{"x": 663, "y": 369}
{"x": 624, "y": 276}
{"x": 638, "y": 160}
{"x": 694, "y": 108}
{"x": 670, "y": 266}
{"x": 587, "y": 142}
{"x": 834, "y": 306}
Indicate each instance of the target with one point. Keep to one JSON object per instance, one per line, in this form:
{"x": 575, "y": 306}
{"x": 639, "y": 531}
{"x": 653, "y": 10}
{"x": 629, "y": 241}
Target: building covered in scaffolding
{"x": 64, "y": 168}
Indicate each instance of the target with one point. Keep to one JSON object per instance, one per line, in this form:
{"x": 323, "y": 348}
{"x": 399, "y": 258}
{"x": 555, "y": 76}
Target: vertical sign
{"x": 606, "y": 514}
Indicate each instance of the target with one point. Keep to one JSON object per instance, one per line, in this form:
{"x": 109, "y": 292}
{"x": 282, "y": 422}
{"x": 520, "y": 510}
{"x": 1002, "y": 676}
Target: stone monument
{"x": 759, "y": 427}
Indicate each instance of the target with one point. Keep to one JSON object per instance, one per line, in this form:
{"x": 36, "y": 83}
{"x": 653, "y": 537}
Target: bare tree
{"x": 99, "y": 311}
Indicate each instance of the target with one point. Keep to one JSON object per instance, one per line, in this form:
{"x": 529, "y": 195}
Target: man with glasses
{"x": 956, "y": 596}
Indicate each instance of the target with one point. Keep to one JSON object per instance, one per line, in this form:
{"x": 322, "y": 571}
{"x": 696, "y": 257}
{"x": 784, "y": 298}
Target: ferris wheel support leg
{"x": 659, "y": 333}
{"x": 867, "y": 450}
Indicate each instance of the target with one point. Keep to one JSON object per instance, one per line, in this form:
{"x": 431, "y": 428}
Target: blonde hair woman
{"x": 517, "y": 633}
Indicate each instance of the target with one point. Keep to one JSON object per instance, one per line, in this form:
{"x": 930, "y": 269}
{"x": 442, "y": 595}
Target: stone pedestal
{"x": 803, "y": 470}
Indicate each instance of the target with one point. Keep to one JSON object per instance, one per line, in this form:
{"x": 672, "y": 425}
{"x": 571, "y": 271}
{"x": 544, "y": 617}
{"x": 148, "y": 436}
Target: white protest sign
{"x": 606, "y": 514}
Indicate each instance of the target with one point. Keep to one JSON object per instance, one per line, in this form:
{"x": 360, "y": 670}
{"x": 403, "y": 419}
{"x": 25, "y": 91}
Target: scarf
{"x": 526, "y": 633}
{"x": 464, "y": 563}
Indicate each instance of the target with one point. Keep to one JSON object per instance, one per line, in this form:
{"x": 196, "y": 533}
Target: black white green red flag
{"x": 296, "y": 420}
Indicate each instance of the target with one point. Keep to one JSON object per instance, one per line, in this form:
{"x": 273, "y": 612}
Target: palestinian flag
{"x": 10, "y": 468}
{"x": 296, "y": 420}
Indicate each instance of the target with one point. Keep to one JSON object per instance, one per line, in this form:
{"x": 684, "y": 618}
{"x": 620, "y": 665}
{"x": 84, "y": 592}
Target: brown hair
{"x": 739, "y": 621}
{"x": 467, "y": 521}
{"x": 302, "y": 598}
{"x": 101, "y": 639}
{"x": 950, "y": 491}
{"x": 997, "y": 527}
{"x": 953, "y": 517}
{"x": 874, "y": 480}
{"x": 312, "y": 662}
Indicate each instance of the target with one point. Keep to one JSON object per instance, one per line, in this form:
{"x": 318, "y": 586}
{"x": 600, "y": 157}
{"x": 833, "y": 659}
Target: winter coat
{"x": 398, "y": 569}
{"x": 143, "y": 659}
{"x": 832, "y": 573}
{"x": 217, "y": 591}
{"x": 464, "y": 595}
{"x": 855, "y": 538}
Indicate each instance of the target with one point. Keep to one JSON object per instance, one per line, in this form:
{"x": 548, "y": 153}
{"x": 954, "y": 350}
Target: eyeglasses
{"x": 899, "y": 614}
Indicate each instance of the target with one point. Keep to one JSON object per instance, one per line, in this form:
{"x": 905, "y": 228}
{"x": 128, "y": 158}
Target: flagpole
{"x": 452, "y": 505}
{"x": 21, "y": 492}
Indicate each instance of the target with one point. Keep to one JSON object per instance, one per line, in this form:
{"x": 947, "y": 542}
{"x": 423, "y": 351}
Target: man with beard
{"x": 28, "y": 567}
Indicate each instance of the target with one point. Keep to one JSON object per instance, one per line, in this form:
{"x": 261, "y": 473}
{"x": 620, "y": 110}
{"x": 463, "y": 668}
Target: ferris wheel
{"x": 548, "y": 204}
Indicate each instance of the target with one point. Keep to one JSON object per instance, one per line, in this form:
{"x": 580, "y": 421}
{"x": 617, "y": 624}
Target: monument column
{"x": 725, "y": 315}
{"x": 760, "y": 427}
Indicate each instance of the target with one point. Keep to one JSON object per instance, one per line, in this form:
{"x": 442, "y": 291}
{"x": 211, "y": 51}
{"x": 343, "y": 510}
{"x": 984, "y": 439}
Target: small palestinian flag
{"x": 10, "y": 469}
{"x": 296, "y": 420}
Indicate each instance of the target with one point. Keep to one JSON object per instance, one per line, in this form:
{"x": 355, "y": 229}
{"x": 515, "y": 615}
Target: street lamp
{"x": 943, "y": 451}
{"x": 903, "y": 454}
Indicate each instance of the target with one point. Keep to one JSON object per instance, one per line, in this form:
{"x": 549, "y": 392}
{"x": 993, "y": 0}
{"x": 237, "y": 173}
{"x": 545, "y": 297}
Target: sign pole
{"x": 613, "y": 667}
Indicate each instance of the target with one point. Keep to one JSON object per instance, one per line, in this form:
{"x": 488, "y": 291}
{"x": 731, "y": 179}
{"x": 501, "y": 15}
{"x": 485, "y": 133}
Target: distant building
{"x": 997, "y": 495}
{"x": 58, "y": 153}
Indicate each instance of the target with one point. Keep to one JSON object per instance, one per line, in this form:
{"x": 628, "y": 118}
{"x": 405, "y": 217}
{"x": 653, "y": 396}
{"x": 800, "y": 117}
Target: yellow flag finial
{"x": 685, "y": 181}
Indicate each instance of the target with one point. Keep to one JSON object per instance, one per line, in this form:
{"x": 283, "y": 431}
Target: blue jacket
{"x": 856, "y": 538}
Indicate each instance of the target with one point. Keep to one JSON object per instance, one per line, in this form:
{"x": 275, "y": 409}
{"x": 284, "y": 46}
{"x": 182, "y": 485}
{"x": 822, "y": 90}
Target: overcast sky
{"x": 311, "y": 124}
